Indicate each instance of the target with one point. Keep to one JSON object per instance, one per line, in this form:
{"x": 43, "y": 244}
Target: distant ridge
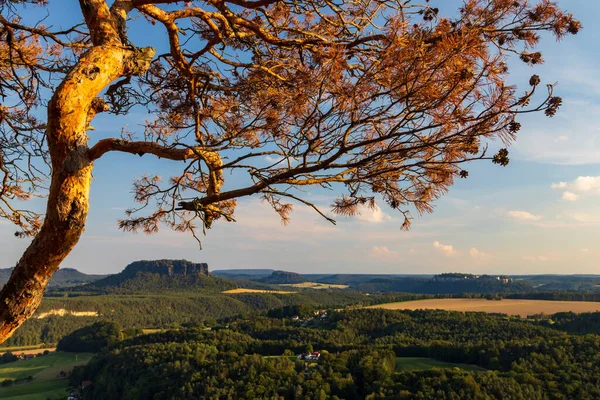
{"x": 226, "y": 272}
{"x": 64, "y": 277}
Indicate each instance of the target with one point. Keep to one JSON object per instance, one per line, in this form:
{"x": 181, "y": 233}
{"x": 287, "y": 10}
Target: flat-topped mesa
{"x": 166, "y": 268}
{"x": 283, "y": 277}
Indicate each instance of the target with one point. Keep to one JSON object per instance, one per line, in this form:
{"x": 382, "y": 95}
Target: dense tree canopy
{"x": 385, "y": 99}
{"x": 498, "y": 358}
{"x": 91, "y": 338}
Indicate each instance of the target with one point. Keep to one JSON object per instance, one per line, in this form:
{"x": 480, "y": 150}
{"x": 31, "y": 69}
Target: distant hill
{"x": 161, "y": 275}
{"x": 283, "y": 277}
{"x": 445, "y": 284}
{"x": 64, "y": 277}
{"x": 247, "y": 274}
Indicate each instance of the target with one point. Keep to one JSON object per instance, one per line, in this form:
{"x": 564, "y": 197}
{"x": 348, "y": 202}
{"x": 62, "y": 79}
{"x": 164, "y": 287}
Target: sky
{"x": 540, "y": 214}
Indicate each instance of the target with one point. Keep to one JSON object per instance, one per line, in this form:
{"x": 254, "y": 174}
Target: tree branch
{"x": 141, "y": 148}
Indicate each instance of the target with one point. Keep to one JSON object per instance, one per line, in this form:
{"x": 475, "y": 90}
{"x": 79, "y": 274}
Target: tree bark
{"x": 72, "y": 106}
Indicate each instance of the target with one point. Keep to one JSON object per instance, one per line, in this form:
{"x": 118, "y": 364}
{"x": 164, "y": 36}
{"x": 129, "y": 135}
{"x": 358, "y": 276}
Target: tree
{"x": 92, "y": 338}
{"x": 309, "y": 348}
{"x": 8, "y": 357}
{"x": 382, "y": 100}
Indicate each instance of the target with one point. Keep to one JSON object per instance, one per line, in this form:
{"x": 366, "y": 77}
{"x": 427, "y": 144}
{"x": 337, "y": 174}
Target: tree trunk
{"x": 69, "y": 111}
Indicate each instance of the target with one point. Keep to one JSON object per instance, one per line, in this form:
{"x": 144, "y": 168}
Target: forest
{"x": 359, "y": 350}
{"x": 151, "y": 300}
{"x": 171, "y": 309}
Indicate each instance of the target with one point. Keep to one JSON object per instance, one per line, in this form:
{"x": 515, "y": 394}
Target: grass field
{"x": 45, "y": 367}
{"x": 522, "y": 308}
{"x": 152, "y": 330}
{"x": 314, "y": 285}
{"x": 418, "y": 364}
{"x": 29, "y": 351}
{"x": 43, "y": 390}
{"x": 242, "y": 290}
{"x": 44, "y": 370}
{"x": 17, "y": 349}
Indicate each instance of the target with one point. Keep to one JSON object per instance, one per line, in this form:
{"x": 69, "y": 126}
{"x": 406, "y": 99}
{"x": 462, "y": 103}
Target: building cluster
{"x": 76, "y": 395}
{"x": 454, "y": 277}
{"x": 320, "y": 314}
{"x": 314, "y": 356}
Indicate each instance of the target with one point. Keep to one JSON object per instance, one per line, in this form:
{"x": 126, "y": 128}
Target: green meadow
{"x": 45, "y": 370}
{"x": 44, "y": 367}
{"x": 42, "y": 390}
{"x": 420, "y": 364}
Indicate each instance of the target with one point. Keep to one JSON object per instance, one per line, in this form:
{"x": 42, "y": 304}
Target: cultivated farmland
{"x": 243, "y": 290}
{"x": 314, "y": 285}
{"x": 522, "y": 308}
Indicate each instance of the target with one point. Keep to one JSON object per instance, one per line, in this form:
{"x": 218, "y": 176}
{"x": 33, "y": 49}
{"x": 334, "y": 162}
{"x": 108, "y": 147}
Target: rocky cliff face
{"x": 177, "y": 269}
{"x": 166, "y": 268}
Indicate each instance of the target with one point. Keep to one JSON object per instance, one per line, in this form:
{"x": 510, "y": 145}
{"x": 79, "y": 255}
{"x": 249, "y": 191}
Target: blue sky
{"x": 540, "y": 214}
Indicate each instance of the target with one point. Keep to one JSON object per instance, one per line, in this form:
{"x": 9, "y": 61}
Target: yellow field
{"x": 314, "y": 285}
{"x": 522, "y": 308}
{"x": 152, "y": 330}
{"x": 242, "y": 290}
{"x": 20, "y": 348}
{"x": 30, "y": 351}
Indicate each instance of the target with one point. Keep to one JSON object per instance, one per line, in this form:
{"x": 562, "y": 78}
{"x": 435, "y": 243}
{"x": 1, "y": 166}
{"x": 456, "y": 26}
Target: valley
{"x": 165, "y": 306}
{"x": 398, "y": 200}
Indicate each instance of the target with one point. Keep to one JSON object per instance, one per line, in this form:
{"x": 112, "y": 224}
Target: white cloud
{"x": 375, "y": 214}
{"x": 561, "y": 138}
{"x": 582, "y": 185}
{"x": 536, "y": 258}
{"x": 477, "y": 254}
{"x": 569, "y": 196}
{"x": 257, "y": 222}
{"x": 585, "y": 218}
{"x": 273, "y": 160}
{"x": 447, "y": 249}
{"x": 383, "y": 252}
{"x": 523, "y": 216}
{"x": 280, "y": 159}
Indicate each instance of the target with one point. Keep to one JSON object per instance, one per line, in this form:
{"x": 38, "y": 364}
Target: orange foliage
{"x": 382, "y": 100}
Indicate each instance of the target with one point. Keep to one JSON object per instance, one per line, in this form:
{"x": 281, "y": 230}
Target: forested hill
{"x": 454, "y": 283}
{"x": 148, "y": 276}
{"x": 242, "y": 273}
{"x": 64, "y": 277}
{"x": 283, "y": 277}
